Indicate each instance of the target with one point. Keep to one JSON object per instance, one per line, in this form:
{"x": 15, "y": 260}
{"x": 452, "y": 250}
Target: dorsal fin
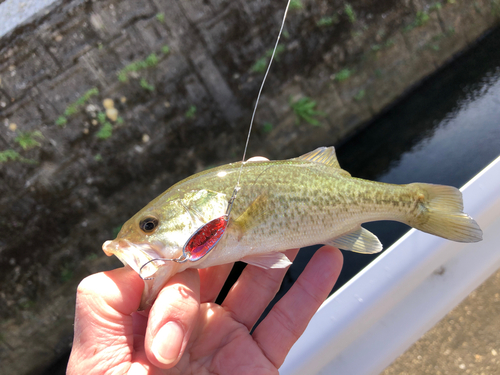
{"x": 323, "y": 155}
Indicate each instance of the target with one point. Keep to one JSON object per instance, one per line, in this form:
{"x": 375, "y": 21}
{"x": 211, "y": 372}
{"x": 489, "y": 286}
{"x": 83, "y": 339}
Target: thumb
{"x": 172, "y": 319}
{"x": 103, "y": 321}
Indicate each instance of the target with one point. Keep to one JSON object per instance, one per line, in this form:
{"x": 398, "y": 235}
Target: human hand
{"x": 185, "y": 332}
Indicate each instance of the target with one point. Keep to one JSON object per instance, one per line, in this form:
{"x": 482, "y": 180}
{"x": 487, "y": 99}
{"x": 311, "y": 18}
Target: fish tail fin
{"x": 439, "y": 211}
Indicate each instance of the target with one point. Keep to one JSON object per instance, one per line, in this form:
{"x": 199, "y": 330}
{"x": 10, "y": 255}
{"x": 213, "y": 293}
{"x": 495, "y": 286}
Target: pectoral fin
{"x": 253, "y": 215}
{"x": 269, "y": 260}
{"x": 360, "y": 241}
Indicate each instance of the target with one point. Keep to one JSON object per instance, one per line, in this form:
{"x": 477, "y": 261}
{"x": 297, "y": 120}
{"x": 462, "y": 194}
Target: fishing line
{"x": 218, "y": 225}
{"x": 237, "y": 187}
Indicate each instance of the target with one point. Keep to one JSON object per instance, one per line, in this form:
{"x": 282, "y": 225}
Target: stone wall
{"x": 182, "y": 77}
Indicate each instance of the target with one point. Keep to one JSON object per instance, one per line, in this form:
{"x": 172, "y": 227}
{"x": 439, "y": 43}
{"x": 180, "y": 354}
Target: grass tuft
{"x": 28, "y": 140}
{"x": 10, "y": 154}
{"x": 304, "y": 109}
{"x": 343, "y": 75}
{"x": 146, "y": 85}
{"x": 105, "y": 131}
{"x": 160, "y": 17}
{"x": 349, "y": 11}
{"x": 327, "y": 21}
{"x": 191, "y": 112}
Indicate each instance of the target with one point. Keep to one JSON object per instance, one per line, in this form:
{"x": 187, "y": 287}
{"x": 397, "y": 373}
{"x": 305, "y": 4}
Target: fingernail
{"x": 167, "y": 343}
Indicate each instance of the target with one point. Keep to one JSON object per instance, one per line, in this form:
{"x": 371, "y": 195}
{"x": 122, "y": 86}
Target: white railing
{"x": 377, "y": 315}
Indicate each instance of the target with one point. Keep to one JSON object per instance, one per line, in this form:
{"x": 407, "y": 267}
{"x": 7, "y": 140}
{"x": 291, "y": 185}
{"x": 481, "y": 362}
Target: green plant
{"x": 165, "y": 50}
{"x": 13, "y": 155}
{"x": 327, "y": 21}
{"x": 71, "y": 110}
{"x": 477, "y": 7}
{"x": 27, "y": 139}
{"x": 105, "y": 131}
{"x": 98, "y": 157}
{"x": 360, "y": 95}
{"x": 122, "y": 76}
{"x": 357, "y": 33}
{"x": 260, "y": 65}
{"x": 66, "y": 273}
{"x": 349, "y": 11}
{"x": 191, "y": 112}
{"x": 435, "y": 6}
{"x": 26, "y": 303}
{"x": 377, "y": 47}
{"x": 304, "y": 109}
{"x": 421, "y": 19}
{"x": 389, "y": 43}
{"x": 149, "y": 62}
{"x": 146, "y": 85}
{"x": 160, "y": 17}
{"x": 10, "y": 154}
{"x": 296, "y": 5}
{"x": 495, "y": 7}
{"x": 279, "y": 50}
{"x": 92, "y": 256}
{"x": 152, "y": 60}
{"x": 80, "y": 102}
{"x": 101, "y": 117}
{"x": 343, "y": 75}
{"x": 61, "y": 121}
{"x": 267, "y": 127}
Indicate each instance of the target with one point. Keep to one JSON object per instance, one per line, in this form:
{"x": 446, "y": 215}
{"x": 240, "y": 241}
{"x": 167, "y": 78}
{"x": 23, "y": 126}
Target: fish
{"x": 203, "y": 221}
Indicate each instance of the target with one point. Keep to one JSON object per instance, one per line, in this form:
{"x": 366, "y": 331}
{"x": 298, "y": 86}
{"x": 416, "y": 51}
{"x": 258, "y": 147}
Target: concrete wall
{"x": 70, "y": 175}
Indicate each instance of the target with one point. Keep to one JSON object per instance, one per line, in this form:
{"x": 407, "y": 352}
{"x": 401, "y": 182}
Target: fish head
{"x": 152, "y": 241}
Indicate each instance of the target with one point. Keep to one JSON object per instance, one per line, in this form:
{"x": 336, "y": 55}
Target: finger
{"x": 289, "y": 317}
{"x": 212, "y": 280}
{"x": 172, "y": 319}
{"x": 253, "y": 291}
{"x": 103, "y": 322}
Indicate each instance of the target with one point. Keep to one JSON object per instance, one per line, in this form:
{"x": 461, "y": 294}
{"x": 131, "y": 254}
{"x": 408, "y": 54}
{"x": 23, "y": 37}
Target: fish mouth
{"x": 143, "y": 258}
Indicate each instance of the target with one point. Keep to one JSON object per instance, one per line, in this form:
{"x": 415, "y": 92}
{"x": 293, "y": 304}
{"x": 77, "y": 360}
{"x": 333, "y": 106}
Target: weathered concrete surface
{"x": 14, "y": 13}
{"x": 466, "y": 341}
{"x": 181, "y": 111}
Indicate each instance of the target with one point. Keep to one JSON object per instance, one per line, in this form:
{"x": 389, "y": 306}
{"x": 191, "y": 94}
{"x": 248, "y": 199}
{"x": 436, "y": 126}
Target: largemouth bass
{"x": 281, "y": 205}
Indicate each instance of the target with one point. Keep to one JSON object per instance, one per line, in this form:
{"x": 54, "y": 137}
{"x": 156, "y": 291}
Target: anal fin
{"x": 268, "y": 260}
{"x": 360, "y": 241}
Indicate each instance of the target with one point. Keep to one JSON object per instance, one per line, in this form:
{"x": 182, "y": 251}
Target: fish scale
{"x": 281, "y": 204}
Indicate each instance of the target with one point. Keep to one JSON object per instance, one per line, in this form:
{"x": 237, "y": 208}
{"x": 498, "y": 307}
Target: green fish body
{"x": 280, "y": 205}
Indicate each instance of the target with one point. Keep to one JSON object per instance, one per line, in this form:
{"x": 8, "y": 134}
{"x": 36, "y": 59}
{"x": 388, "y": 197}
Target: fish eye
{"x": 149, "y": 224}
